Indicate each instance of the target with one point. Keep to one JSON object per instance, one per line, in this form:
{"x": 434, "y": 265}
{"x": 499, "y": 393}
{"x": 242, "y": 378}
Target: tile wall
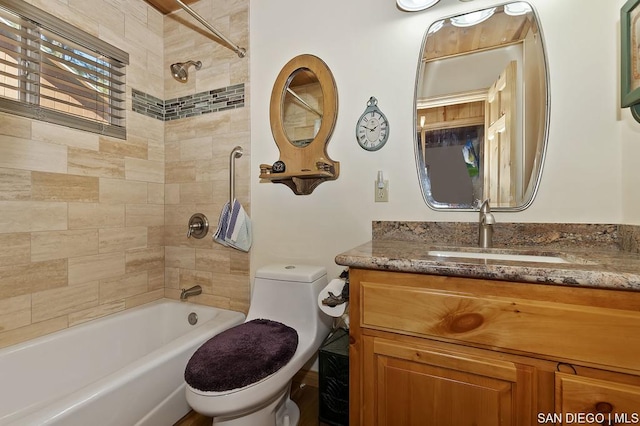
{"x": 92, "y": 225}
{"x": 197, "y": 154}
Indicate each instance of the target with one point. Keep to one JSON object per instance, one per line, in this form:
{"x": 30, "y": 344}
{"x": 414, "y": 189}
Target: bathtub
{"x": 124, "y": 369}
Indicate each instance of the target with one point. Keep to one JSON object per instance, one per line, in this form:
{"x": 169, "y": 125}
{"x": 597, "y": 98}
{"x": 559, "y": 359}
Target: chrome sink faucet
{"x": 485, "y": 226}
{"x": 188, "y": 292}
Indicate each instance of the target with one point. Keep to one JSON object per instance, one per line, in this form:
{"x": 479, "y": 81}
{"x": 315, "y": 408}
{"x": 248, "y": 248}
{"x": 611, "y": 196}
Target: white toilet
{"x": 286, "y": 294}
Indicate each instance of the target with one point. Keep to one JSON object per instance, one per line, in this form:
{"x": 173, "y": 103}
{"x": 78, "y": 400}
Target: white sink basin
{"x": 497, "y": 256}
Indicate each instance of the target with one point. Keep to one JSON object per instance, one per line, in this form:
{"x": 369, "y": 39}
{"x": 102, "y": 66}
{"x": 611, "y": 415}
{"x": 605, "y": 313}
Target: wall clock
{"x": 372, "y": 128}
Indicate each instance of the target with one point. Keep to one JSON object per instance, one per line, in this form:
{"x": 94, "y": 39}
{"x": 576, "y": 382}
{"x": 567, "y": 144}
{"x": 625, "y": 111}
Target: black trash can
{"x": 333, "y": 360}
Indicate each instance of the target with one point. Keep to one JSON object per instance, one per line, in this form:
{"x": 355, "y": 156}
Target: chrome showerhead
{"x": 180, "y": 70}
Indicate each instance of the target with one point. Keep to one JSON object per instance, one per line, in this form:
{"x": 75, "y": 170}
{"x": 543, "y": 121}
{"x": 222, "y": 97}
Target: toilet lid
{"x": 241, "y": 355}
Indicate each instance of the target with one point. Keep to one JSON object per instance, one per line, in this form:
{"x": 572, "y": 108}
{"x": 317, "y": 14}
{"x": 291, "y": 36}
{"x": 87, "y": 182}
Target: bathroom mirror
{"x": 482, "y": 109}
{"x": 303, "y": 113}
{"x": 302, "y": 107}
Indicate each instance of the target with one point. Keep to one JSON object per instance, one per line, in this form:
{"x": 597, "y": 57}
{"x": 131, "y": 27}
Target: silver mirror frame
{"x": 423, "y": 179}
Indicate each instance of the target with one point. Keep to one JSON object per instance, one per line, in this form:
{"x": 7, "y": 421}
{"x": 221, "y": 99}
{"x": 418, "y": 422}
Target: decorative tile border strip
{"x": 222, "y": 99}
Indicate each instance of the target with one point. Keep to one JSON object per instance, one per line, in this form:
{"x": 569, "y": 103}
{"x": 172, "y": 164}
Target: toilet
{"x": 285, "y": 300}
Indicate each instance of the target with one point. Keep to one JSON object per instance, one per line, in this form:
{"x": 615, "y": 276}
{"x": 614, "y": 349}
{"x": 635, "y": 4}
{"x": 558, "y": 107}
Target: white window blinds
{"x": 54, "y": 72}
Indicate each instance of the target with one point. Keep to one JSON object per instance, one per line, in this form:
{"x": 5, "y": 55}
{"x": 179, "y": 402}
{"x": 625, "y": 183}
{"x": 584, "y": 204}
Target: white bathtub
{"x": 121, "y": 370}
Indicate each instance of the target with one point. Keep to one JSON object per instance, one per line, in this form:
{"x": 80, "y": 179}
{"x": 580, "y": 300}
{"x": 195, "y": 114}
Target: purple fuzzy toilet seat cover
{"x": 241, "y": 355}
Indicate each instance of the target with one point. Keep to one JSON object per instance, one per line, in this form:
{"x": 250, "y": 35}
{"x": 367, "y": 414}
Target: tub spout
{"x": 188, "y": 292}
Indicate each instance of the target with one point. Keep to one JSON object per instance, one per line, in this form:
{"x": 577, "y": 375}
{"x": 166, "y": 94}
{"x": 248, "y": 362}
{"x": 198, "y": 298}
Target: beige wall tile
{"x": 199, "y": 192}
{"x": 18, "y": 280}
{"x": 171, "y": 194}
{"x": 12, "y": 125}
{"x": 196, "y": 149}
{"x": 32, "y": 331}
{"x": 63, "y": 244}
{"x": 144, "y": 170}
{"x": 181, "y": 171}
{"x": 206, "y": 299}
{"x": 172, "y": 277}
{"x": 95, "y": 312}
{"x": 135, "y": 147}
{"x": 155, "y": 236}
{"x": 145, "y": 259}
{"x": 93, "y": 163}
{"x": 180, "y": 257}
{"x": 156, "y": 147}
{"x": 24, "y": 154}
{"x": 117, "y": 191}
{"x": 93, "y": 215}
{"x": 121, "y": 239}
{"x": 156, "y": 279}
{"x": 60, "y": 135}
{"x": 240, "y": 262}
{"x": 110, "y": 15}
{"x": 15, "y": 312}
{"x": 89, "y": 23}
{"x": 144, "y": 215}
{"x": 171, "y": 149}
{"x": 180, "y": 214}
{"x": 215, "y": 260}
{"x": 62, "y": 301}
{"x": 155, "y": 193}
{"x": 189, "y": 278}
{"x": 15, "y": 249}
{"x": 120, "y": 288}
{"x": 140, "y": 299}
{"x": 28, "y": 216}
{"x": 235, "y": 287}
{"x": 62, "y": 187}
{"x": 15, "y": 185}
{"x": 96, "y": 267}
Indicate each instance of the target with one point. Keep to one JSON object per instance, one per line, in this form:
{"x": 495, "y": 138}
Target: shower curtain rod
{"x": 240, "y": 51}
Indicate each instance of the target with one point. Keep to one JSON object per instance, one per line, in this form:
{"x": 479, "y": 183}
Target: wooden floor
{"x": 305, "y": 396}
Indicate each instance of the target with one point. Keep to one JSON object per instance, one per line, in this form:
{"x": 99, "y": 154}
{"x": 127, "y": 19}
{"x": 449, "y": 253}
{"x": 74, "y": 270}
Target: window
{"x": 54, "y": 72}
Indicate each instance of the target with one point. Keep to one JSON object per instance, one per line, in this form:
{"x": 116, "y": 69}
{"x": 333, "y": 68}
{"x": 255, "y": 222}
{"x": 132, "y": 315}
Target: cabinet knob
{"x": 604, "y": 408}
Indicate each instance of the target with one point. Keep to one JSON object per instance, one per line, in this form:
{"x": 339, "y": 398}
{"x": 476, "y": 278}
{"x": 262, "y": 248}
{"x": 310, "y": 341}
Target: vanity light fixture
{"x": 473, "y": 18}
{"x": 415, "y": 5}
{"x": 517, "y": 8}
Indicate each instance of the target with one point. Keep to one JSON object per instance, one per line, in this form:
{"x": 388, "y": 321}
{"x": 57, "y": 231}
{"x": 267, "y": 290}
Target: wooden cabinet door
{"x": 605, "y": 402}
{"x": 407, "y": 385}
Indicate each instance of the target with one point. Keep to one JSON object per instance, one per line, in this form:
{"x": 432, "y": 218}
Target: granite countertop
{"x": 595, "y": 255}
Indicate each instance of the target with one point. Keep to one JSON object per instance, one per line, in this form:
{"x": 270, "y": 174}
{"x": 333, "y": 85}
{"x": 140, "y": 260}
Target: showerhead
{"x": 180, "y": 70}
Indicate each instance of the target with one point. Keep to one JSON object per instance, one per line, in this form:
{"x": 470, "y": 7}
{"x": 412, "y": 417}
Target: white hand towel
{"x": 238, "y": 233}
{"x": 223, "y": 224}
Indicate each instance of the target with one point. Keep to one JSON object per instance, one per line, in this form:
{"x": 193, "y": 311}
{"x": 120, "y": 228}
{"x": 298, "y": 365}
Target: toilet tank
{"x": 288, "y": 293}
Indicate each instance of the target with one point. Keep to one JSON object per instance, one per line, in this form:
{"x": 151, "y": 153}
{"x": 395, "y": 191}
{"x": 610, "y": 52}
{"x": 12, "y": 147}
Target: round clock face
{"x": 372, "y": 129}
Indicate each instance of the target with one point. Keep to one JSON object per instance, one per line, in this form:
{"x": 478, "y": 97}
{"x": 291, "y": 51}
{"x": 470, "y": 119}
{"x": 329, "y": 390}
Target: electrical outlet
{"x": 381, "y": 195}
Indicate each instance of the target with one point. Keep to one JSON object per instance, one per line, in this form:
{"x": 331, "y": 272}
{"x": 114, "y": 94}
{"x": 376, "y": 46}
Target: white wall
{"x": 372, "y": 49}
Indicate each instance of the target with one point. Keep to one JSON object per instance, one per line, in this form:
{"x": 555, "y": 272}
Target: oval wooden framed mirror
{"x": 303, "y": 113}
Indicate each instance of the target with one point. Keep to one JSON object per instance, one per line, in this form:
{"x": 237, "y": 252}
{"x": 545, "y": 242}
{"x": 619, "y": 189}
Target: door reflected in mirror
{"x": 302, "y": 107}
{"x": 482, "y": 109}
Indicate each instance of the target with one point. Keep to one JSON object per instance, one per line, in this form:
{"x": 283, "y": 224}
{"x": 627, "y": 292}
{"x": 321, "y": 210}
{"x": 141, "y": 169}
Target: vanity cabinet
{"x": 436, "y": 350}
